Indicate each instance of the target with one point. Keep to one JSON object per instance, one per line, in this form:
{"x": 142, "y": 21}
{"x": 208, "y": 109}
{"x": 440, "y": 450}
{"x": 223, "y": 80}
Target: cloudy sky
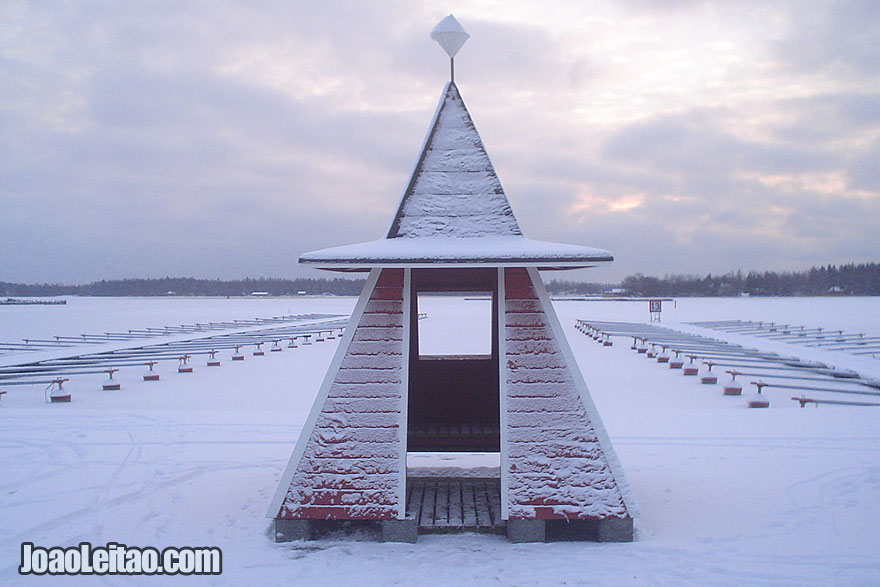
{"x": 222, "y": 139}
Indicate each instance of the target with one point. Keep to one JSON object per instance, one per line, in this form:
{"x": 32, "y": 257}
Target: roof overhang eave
{"x": 367, "y": 264}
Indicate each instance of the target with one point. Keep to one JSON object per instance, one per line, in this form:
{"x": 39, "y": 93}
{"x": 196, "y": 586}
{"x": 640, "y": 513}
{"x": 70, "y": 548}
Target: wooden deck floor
{"x": 444, "y": 505}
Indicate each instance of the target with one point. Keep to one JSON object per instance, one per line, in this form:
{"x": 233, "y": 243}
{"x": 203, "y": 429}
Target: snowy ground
{"x": 728, "y": 496}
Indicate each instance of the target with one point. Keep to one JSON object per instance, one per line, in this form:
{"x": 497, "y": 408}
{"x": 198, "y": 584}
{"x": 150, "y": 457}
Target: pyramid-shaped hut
{"x": 454, "y": 231}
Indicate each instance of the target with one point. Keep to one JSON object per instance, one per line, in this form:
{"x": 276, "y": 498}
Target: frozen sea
{"x": 728, "y": 495}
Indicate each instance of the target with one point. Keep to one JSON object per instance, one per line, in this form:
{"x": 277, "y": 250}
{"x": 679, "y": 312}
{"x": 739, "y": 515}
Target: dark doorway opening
{"x": 454, "y": 399}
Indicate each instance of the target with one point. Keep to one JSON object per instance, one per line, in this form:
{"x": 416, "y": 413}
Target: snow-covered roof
{"x": 454, "y": 211}
{"x": 506, "y": 251}
{"x": 453, "y": 191}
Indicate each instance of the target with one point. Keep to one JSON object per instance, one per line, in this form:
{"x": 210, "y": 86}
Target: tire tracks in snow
{"x": 13, "y": 543}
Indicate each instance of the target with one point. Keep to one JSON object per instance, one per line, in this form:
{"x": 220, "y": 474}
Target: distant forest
{"x": 850, "y": 279}
{"x": 188, "y": 286}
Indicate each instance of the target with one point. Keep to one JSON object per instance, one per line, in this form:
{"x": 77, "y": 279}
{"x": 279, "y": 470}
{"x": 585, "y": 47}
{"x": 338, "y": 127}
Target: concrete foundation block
{"x": 615, "y": 530}
{"x": 526, "y": 530}
{"x": 406, "y": 530}
{"x": 290, "y": 530}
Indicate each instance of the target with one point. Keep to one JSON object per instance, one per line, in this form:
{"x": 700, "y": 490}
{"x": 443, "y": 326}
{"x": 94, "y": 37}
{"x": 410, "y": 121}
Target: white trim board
{"x": 404, "y": 392}
{"x": 502, "y": 395}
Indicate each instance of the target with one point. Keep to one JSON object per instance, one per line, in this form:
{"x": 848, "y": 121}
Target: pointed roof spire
{"x": 454, "y": 211}
{"x": 453, "y": 191}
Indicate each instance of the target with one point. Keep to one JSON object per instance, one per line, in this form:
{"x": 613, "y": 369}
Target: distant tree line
{"x": 583, "y": 288}
{"x": 188, "y": 286}
{"x": 851, "y": 279}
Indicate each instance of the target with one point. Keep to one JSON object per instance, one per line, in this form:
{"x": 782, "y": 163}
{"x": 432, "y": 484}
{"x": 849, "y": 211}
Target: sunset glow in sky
{"x": 221, "y": 139}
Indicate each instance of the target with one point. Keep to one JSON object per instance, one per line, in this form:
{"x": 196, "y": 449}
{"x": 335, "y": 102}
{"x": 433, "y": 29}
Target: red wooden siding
{"x": 556, "y": 467}
{"x": 351, "y": 465}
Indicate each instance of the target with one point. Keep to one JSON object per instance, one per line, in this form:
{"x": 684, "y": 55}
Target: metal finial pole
{"x": 451, "y": 37}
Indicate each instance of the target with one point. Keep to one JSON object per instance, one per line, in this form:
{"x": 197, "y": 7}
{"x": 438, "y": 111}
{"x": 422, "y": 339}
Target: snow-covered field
{"x": 728, "y": 496}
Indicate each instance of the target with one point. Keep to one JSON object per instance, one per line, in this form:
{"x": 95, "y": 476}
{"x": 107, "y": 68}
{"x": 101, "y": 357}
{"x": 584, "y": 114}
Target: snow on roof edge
{"x": 432, "y": 251}
{"x": 413, "y": 176}
{"x": 438, "y": 201}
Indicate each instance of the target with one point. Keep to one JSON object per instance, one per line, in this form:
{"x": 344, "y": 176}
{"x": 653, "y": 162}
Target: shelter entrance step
{"x": 447, "y": 505}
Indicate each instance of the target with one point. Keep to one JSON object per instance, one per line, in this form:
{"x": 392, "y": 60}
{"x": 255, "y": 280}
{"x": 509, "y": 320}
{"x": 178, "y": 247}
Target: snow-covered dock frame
{"x": 832, "y": 340}
{"x": 772, "y": 369}
{"x": 50, "y": 359}
{"x": 30, "y": 302}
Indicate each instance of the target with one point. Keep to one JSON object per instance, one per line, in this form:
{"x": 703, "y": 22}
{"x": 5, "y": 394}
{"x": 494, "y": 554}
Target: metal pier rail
{"x": 45, "y": 361}
{"x": 762, "y": 369}
{"x": 831, "y": 340}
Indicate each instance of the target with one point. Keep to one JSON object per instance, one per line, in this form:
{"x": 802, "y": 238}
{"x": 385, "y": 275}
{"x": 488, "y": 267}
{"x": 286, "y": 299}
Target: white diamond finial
{"x": 450, "y": 34}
